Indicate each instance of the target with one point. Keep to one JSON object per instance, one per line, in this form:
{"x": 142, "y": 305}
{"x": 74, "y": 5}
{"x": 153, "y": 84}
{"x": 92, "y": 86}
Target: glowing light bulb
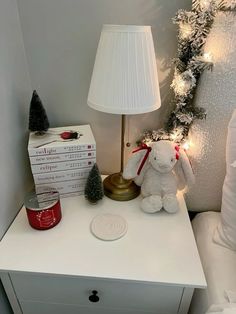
{"x": 148, "y": 142}
{"x": 185, "y": 30}
{"x": 180, "y": 85}
{"x": 207, "y": 56}
{"x": 186, "y": 145}
{"x": 174, "y": 136}
{"x": 205, "y": 5}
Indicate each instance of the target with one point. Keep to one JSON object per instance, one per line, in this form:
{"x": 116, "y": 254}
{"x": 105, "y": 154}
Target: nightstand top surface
{"x": 157, "y": 248}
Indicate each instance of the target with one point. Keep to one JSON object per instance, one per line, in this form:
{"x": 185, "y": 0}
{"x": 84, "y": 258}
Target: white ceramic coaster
{"x": 108, "y": 227}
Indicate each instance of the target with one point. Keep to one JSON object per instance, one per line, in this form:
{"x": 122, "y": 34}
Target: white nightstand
{"x": 154, "y": 268}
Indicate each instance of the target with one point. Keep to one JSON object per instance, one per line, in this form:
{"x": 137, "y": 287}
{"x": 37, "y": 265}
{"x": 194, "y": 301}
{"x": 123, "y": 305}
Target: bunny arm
{"x": 184, "y": 171}
{"x": 181, "y": 183}
{"x": 132, "y": 166}
{"x": 140, "y": 178}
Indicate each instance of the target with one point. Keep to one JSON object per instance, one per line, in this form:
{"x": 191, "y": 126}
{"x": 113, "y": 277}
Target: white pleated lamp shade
{"x": 124, "y": 79}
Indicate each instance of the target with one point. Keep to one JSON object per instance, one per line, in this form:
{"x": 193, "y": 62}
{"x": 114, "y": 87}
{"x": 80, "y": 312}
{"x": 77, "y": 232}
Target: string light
{"x": 207, "y": 56}
{"x": 205, "y": 4}
{"x": 186, "y": 30}
{"x": 174, "y": 136}
{"x": 186, "y": 145}
{"x": 148, "y": 142}
{"x": 177, "y": 135}
{"x": 190, "y": 63}
{"x": 180, "y": 86}
{"x": 183, "y": 83}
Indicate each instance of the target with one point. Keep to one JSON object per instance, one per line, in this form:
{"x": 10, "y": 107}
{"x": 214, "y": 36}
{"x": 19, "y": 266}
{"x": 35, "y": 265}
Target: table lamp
{"x": 124, "y": 81}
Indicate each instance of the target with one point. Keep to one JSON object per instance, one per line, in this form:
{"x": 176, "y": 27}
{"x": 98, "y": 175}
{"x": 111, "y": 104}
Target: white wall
{"x": 61, "y": 38}
{"x": 14, "y": 98}
{"x": 15, "y": 93}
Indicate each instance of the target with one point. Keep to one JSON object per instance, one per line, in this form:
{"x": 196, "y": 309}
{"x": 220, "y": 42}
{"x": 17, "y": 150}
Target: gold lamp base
{"x": 119, "y": 189}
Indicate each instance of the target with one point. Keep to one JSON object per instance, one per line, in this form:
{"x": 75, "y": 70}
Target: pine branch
{"x": 194, "y": 27}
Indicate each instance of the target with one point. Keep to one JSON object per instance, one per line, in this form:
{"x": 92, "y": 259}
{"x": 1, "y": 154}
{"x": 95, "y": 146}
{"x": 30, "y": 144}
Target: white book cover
{"x": 53, "y": 143}
{"x": 72, "y": 194}
{"x": 62, "y": 187}
{"x": 43, "y": 159}
{"x": 58, "y": 176}
{"x": 44, "y": 200}
{"x": 63, "y": 165}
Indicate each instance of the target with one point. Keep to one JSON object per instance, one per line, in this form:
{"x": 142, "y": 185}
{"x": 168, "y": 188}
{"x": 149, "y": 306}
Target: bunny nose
{"x": 165, "y": 166}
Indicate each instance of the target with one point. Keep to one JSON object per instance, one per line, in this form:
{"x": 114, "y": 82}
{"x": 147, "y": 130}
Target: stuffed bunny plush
{"x": 156, "y": 169}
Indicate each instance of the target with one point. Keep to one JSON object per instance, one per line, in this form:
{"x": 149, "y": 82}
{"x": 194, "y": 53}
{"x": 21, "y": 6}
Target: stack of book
{"x": 60, "y": 164}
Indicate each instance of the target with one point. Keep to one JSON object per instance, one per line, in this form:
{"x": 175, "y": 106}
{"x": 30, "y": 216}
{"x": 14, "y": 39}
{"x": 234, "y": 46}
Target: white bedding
{"x": 226, "y": 308}
{"x": 219, "y": 264}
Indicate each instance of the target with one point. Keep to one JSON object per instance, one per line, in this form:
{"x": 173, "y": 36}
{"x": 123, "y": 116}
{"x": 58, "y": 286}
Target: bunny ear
{"x": 184, "y": 170}
{"x": 133, "y": 164}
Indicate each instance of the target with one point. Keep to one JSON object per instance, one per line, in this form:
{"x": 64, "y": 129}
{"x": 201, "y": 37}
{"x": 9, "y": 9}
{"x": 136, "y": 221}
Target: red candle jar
{"x": 43, "y": 210}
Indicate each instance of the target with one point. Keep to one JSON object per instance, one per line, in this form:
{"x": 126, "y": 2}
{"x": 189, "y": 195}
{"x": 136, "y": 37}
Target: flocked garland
{"x": 194, "y": 27}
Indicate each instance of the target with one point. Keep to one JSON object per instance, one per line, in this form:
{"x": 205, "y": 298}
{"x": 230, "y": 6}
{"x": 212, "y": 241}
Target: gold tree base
{"x": 119, "y": 189}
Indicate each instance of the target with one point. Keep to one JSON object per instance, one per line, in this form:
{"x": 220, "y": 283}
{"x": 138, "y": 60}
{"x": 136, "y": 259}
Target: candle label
{"x": 46, "y": 218}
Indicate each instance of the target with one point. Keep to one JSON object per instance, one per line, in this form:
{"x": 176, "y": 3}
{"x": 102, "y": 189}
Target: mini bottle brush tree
{"x": 38, "y": 120}
{"x": 94, "y": 187}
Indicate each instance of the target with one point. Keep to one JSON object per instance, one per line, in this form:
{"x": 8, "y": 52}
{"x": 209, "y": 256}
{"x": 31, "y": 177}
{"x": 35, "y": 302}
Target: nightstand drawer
{"x": 29, "y": 307}
{"x": 112, "y": 293}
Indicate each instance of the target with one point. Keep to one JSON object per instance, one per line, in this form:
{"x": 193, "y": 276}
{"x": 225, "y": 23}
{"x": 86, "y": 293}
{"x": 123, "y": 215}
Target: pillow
{"x": 225, "y": 233}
